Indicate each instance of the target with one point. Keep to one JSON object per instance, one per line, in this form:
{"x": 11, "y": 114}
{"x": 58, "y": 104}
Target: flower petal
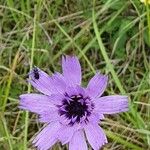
{"x": 76, "y": 90}
{"x": 97, "y": 85}
{"x": 65, "y": 134}
{"x": 49, "y": 116}
{"x": 78, "y": 141}
{"x": 95, "y": 117}
{"x": 95, "y": 136}
{"x": 36, "y": 103}
{"x": 71, "y": 70}
{"x": 46, "y": 84}
{"x": 111, "y": 104}
{"x": 56, "y": 99}
{"x": 71, "y": 91}
{"x": 80, "y": 90}
{"x": 47, "y": 137}
{"x": 59, "y": 82}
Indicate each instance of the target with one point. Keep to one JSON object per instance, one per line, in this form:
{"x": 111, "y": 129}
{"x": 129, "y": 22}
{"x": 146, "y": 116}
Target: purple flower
{"x": 72, "y": 112}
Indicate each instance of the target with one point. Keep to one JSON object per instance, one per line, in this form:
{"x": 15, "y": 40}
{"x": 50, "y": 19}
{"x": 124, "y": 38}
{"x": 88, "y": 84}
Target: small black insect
{"x": 36, "y": 73}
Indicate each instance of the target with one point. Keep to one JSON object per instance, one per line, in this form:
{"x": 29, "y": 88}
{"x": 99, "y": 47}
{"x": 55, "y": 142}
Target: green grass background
{"x": 110, "y": 36}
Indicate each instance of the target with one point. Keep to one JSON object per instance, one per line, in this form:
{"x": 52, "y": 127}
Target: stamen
{"x": 76, "y": 108}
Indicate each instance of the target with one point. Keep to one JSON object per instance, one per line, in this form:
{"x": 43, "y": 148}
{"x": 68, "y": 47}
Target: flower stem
{"x": 29, "y": 85}
{"x": 148, "y": 20}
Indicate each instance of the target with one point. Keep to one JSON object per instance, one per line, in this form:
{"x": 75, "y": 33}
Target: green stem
{"x": 29, "y": 85}
{"x": 104, "y": 53}
{"x": 118, "y": 139}
{"x": 148, "y": 20}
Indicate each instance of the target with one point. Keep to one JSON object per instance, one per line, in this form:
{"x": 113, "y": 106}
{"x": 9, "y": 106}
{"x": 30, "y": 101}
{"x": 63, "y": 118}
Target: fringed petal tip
{"x": 112, "y": 104}
{"x": 35, "y": 103}
{"x": 71, "y": 70}
{"x": 95, "y": 136}
{"x": 97, "y": 85}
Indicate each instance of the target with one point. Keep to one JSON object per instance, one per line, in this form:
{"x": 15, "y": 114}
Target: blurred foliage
{"x": 66, "y": 27}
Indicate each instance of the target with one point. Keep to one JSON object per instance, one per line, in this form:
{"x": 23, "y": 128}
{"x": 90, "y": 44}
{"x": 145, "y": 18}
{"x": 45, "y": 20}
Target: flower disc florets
{"x": 76, "y": 108}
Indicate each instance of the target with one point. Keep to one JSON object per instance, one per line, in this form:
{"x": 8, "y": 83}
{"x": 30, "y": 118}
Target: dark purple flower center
{"x": 76, "y": 108}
